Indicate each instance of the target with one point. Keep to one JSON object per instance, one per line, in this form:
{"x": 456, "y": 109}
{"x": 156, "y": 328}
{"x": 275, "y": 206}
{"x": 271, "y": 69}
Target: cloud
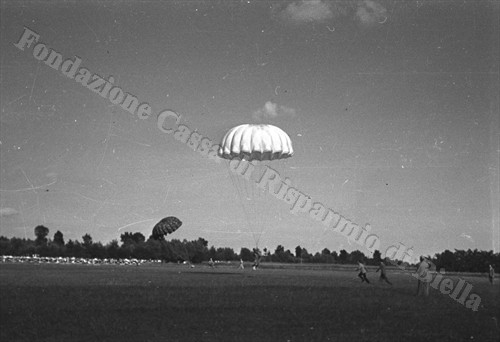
{"x": 272, "y": 110}
{"x": 51, "y": 175}
{"x": 4, "y": 212}
{"x": 370, "y": 12}
{"x": 306, "y": 11}
{"x": 467, "y": 237}
{"x": 366, "y": 12}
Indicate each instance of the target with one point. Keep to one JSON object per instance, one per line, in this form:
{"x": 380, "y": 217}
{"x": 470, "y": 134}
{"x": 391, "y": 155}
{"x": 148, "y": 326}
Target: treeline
{"x": 466, "y": 261}
{"x": 131, "y": 245}
{"x": 135, "y": 245}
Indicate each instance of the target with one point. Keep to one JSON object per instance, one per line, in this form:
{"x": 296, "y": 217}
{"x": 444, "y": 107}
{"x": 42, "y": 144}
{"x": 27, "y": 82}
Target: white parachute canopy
{"x": 262, "y": 146}
{"x": 256, "y": 142}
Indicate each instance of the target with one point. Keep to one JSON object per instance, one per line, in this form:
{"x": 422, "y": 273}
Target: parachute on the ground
{"x": 166, "y": 226}
{"x": 262, "y": 146}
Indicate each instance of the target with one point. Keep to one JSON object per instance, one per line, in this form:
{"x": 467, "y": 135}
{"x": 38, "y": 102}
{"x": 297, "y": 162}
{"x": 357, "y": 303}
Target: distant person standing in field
{"x": 491, "y": 274}
{"x": 211, "y": 263}
{"x": 242, "y": 266}
{"x": 362, "y": 272}
{"x": 383, "y": 275}
{"x": 422, "y": 271}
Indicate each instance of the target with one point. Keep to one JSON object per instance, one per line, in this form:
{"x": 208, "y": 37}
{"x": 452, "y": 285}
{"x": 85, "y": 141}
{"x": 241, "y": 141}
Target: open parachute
{"x": 256, "y": 142}
{"x": 166, "y": 226}
{"x": 251, "y": 150}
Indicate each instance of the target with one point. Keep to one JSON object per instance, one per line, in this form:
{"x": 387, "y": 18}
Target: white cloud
{"x": 51, "y": 175}
{"x": 286, "y": 111}
{"x": 307, "y": 11}
{"x": 370, "y": 12}
{"x": 272, "y": 110}
{"x": 8, "y": 212}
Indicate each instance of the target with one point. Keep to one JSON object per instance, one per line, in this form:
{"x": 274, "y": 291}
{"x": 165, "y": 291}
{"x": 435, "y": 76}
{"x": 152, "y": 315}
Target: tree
{"x": 203, "y": 242}
{"x": 74, "y": 249}
{"x": 356, "y": 256}
{"x": 225, "y": 253}
{"x": 324, "y": 257}
{"x": 246, "y": 254}
{"x": 343, "y": 256}
{"x": 58, "y": 238}
{"x": 377, "y": 257}
{"x": 298, "y": 252}
{"x": 154, "y": 248}
{"x": 87, "y": 240}
{"x": 97, "y": 250}
{"x": 129, "y": 238}
{"x": 280, "y": 255}
{"x": 265, "y": 254}
{"x": 197, "y": 250}
{"x": 41, "y": 233}
{"x": 138, "y": 238}
{"x": 279, "y": 249}
{"x": 212, "y": 253}
{"x": 305, "y": 256}
{"x": 445, "y": 260}
{"x": 112, "y": 249}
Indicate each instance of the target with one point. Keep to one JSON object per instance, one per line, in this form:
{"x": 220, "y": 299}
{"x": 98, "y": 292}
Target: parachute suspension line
{"x": 255, "y": 199}
{"x": 262, "y": 198}
{"x": 258, "y": 215}
{"x": 244, "y": 199}
{"x": 263, "y": 207}
{"x": 272, "y": 206}
{"x": 262, "y": 146}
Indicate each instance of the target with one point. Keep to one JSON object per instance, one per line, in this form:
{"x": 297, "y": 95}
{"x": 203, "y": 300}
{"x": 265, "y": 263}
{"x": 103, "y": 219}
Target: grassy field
{"x": 175, "y": 303}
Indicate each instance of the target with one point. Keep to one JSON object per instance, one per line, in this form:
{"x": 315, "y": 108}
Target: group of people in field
{"x": 383, "y": 273}
{"x": 255, "y": 265}
{"x": 423, "y": 268}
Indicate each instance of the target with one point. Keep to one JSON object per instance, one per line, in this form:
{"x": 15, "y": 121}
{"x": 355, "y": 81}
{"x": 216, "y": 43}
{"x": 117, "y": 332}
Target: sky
{"x": 392, "y": 108}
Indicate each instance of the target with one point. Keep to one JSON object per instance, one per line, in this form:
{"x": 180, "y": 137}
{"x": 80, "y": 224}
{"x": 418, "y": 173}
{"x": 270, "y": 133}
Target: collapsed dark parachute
{"x": 166, "y": 226}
